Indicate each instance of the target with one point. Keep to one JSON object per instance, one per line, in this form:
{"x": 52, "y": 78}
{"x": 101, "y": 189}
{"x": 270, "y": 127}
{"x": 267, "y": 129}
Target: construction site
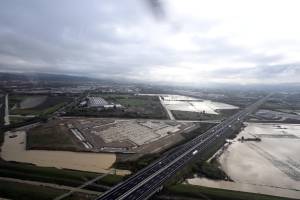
{"x": 111, "y": 135}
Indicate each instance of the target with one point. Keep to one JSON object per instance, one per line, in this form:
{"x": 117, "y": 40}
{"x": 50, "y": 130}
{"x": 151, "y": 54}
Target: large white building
{"x": 96, "y": 102}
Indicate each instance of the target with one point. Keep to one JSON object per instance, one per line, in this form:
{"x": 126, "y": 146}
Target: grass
{"x": 132, "y": 102}
{"x": 187, "y": 115}
{"x": 15, "y": 100}
{"x": 138, "y": 164}
{"x": 110, "y": 180}
{"x": 53, "y": 108}
{"x": 134, "y": 107}
{"x": 21, "y": 191}
{"x": 210, "y": 170}
{"x": 181, "y": 190}
{"x": 75, "y": 178}
{"x": 16, "y": 120}
{"x": 53, "y": 175}
{"x": 52, "y": 136}
{"x": 44, "y": 174}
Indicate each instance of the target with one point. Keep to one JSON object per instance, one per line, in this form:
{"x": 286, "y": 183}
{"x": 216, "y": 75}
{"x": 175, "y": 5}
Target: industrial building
{"x": 99, "y": 103}
{"x": 96, "y": 102}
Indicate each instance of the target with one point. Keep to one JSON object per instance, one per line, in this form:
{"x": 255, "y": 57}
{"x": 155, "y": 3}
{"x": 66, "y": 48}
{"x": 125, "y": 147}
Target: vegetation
{"x": 26, "y": 121}
{"x": 134, "y": 107}
{"x": 17, "y": 120}
{"x": 53, "y": 175}
{"x": 196, "y": 165}
{"x": 44, "y": 174}
{"x": 21, "y": 191}
{"x": 187, "y": 115}
{"x": 52, "y": 136}
{"x": 182, "y": 191}
{"x": 283, "y": 101}
{"x": 136, "y": 165}
{"x": 110, "y": 180}
{"x": 15, "y": 100}
{"x": 210, "y": 170}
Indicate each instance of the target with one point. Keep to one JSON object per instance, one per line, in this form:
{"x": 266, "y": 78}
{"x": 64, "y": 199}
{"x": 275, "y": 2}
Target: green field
{"x": 44, "y": 174}
{"x": 21, "y": 191}
{"x": 15, "y": 100}
{"x": 199, "y": 192}
{"x": 25, "y": 191}
{"x": 75, "y": 178}
{"x": 52, "y": 136}
{"x": 187, "y": 115}
{"x": 29, "y": 172}
{"x": 133, "y": 107}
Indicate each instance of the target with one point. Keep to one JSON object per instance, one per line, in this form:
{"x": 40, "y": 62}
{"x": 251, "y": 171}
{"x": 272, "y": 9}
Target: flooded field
{"x": 273, "y": 162}
{"x": 13, "y": 149}
{"x": 191, "y": 104}
{"x": 32, "y": 101}
{"x": 183, "y": 103}
{"x": 276, "y": 115}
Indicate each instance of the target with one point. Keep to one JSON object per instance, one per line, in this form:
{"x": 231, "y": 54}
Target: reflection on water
{"x": 13, "y": 149}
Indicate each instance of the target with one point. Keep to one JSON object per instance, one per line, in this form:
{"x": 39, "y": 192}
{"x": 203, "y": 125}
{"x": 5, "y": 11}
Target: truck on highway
{"x": 195, "y": 152}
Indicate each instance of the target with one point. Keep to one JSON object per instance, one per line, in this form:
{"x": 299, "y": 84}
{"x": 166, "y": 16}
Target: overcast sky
{"x": 177, "y": 41}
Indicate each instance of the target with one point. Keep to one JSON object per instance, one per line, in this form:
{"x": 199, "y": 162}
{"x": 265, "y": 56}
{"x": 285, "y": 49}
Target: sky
{"x": 194, "y": 42}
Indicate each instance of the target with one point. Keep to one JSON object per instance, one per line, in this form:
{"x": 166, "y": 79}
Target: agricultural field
{"x": 52, "y": 175}
{"x": 185, "y": 191}
{"x": 52, "y": 136}
{"x": 27, "y": 181}
{"x": 133, "y": 107}
{"x": 188, "y": 115}
{"x": 288, "y": 102}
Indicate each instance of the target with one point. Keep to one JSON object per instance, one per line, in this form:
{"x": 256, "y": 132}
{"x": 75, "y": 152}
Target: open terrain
{"x": 36, "y": 105}
{"x": 267, "y": 166}
{"x": 106, "y": 135}
{"x": 133, "y": 107}
{"x": 14, "y": 149}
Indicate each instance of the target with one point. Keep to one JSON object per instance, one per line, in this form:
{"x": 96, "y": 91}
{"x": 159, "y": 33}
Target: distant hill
{"x": 44, "y": 77}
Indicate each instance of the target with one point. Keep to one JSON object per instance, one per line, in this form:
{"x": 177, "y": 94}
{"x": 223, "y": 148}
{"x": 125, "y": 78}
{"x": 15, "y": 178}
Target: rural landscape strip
{"x": 80, "y": 187}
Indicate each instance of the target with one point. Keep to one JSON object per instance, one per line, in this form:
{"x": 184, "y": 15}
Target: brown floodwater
{"x": 271, "y": 166}
{"x": 13, "y": 149}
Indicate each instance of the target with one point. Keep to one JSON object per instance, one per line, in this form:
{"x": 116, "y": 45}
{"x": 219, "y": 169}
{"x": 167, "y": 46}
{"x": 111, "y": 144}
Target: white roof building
{"x": 96, "y": 102}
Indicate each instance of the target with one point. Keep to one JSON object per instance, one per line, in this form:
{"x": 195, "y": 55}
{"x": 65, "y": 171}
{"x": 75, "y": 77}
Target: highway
{"x": 150, "y": 180}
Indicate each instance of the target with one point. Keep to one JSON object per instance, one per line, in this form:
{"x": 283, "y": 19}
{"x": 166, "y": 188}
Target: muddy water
{"x": 13, "y": 149}
{"x": 272, "y": 164}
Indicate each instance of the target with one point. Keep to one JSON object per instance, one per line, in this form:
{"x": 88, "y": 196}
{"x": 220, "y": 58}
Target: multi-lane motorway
{"x": 150, "y": 180}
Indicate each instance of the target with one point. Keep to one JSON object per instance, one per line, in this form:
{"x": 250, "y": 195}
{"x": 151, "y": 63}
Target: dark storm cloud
{"x": 68, "y": 35}
{"x": 113, "y": 38}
